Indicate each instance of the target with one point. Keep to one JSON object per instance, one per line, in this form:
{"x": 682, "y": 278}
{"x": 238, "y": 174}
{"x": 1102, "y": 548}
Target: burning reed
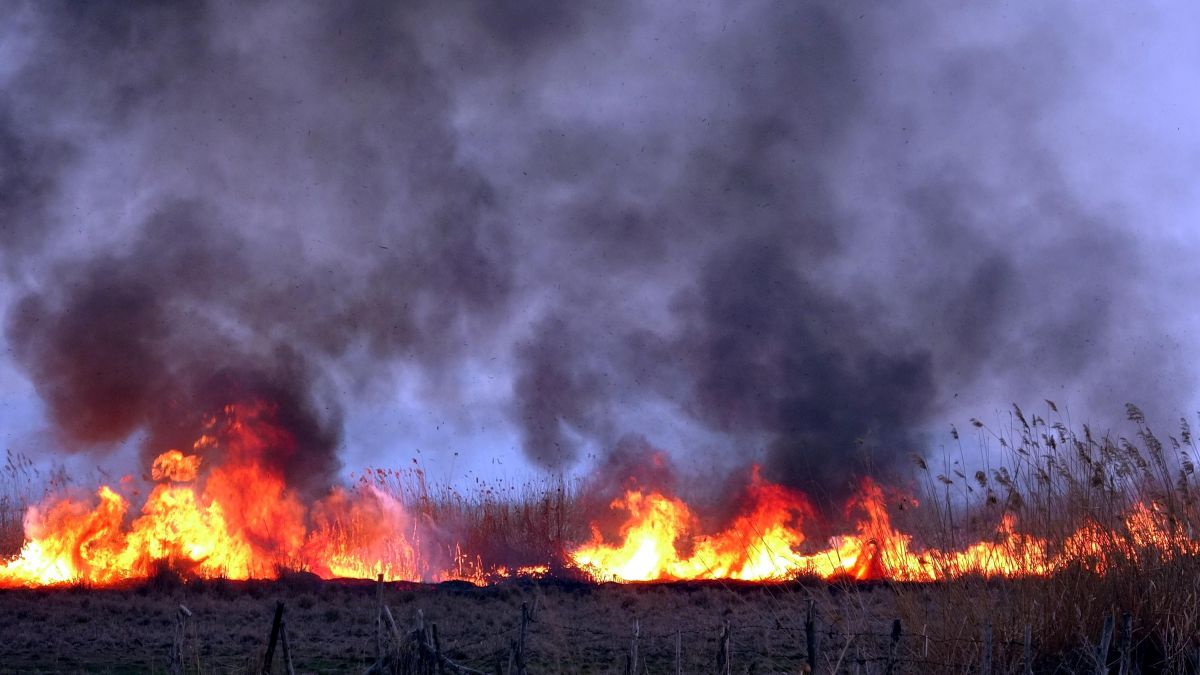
{"x": 1058, "y": 501}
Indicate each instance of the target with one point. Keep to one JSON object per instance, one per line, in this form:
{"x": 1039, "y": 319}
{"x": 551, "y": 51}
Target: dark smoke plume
{"x": 774, "y": 352}
{"x": 802, "y": 229}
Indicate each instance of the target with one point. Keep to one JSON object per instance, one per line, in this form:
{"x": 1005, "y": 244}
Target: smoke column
{"x": 810, "y": 231}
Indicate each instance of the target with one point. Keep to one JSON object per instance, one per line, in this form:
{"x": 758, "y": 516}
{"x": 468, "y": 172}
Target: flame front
{"x": 237, "y": 521}
{"x": 219, "y": 510}
{"x": 760, "y": 544}
{"x": 767, "y": 542}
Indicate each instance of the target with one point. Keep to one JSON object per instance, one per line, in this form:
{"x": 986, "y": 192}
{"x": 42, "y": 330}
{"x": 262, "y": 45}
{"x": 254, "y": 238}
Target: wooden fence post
{"x": 893, "y": 647}
{"x": 728, "y": 648}
{"x": 1125, "y": 644}
{"x": 181, "y": 616}
{"x": 678, "y": 651}
{"x": 287, "y": 649}
{"x": 391, "y": 624}
{"x": 632, "y": 667}
{"x": 379, "y": 617}
{"x": 1102, "y": 648}
{"x": 275, "y": 625}
{"x": 517, "y": 653}
{"x": 278, "y": 636}
{"x": 437, "y": 651}
{"x": 985, "y": 659}
{"x": 1028, "y": 650}
{"x": 421, "y": 635}
{"x": 724, "y": 662}
{"x": 812, "y": 637}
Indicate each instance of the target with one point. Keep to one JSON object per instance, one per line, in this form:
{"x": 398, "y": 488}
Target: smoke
{"x": 136, "y": 341}
{"x": 773, "y": 352}
{"x": 206, "y": 295}
{"x": 813, "y": 230}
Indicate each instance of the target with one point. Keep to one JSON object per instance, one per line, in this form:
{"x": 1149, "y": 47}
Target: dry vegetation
{"x": 517, "y": 524}
{"x": 1055, "y": 479}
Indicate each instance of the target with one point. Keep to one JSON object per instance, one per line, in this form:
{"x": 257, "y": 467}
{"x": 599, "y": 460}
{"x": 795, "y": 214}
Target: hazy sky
{"x": 510, "y": 235}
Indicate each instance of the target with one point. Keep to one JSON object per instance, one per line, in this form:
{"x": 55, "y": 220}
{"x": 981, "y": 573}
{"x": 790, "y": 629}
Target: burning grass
{"x": 1049, "y": 534}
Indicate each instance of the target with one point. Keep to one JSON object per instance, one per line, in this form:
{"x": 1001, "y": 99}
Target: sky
{"x": 518, "y": 238}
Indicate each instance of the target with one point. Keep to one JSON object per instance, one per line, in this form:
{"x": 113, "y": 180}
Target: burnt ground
{"x": 575, "y": 628}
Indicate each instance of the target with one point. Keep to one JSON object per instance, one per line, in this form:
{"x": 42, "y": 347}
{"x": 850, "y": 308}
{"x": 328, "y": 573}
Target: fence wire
{"x": 754, "y": 647}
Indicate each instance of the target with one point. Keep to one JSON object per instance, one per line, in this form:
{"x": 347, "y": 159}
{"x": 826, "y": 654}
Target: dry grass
{"x": 505, "y": 523}
{"x": 23, "y": 484}
{"x": 1057, "y": 481}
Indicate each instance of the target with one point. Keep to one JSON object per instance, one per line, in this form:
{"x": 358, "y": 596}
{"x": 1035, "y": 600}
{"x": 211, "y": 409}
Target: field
{"x": 573, "y": 627}
{"x": 1123, "y": 593}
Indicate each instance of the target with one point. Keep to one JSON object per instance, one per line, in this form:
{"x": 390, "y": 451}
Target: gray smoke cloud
{"x": 803, "y": 227}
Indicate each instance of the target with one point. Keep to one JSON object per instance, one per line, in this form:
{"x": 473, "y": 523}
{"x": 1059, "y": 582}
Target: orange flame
{"x": 221, "y": 511}
{"x": 766, "y": 542}
{"x": 240, "y": 521}
{"x": 176, "y": 466}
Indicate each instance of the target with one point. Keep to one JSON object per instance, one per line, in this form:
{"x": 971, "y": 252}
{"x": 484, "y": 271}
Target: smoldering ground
{"x": 803, "y": 228}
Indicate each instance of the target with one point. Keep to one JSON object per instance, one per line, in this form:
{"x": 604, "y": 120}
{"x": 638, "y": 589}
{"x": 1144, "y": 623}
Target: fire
{"x": 647, "y": 549}
{"x": 221, "y": 510}
{"x": 764, "y": 542}
{"x": 364, "y": 535}
{"x": 176, "y": 466}
{"x": 759, "y": 545}
{"x": 238, "y": 520}
{"x": 767, "y": 542}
